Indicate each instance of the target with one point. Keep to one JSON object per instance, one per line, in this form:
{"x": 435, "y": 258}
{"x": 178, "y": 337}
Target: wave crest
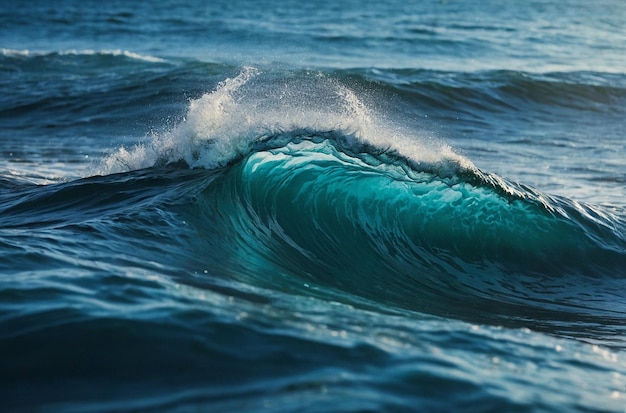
{"x": 251, "y": 109}
{"x": 84, "y": 52}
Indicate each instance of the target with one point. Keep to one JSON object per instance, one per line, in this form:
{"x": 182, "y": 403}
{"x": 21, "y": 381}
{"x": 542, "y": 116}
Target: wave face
{"x": 372, "y": 225}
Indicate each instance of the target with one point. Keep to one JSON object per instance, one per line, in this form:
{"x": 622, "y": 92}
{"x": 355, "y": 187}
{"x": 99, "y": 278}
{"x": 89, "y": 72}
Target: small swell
{"x": 503, "y": 90}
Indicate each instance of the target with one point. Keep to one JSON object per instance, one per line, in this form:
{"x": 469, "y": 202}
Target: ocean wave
{"x": 85, "y": 52}
{"x": 317, "y": 187}
{"x": 314, "y": 192}
{"x": 365, "y": 221}
{"x": 373, "y": 226}
{"x": 309, "y": 213}
{"x": 297, "y": 184}
{"x": 504, "y": 90}
{"x": 88, "y": 88}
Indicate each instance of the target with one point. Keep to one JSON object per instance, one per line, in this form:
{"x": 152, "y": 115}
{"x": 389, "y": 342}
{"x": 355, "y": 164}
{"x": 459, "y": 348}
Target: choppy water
{"x": 335, "y": 206}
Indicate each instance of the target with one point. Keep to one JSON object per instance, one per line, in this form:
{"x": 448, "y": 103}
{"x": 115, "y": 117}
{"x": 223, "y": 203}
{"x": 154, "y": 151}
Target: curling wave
{"x": 311, "y": 191}
{"x": 375, "y": 226}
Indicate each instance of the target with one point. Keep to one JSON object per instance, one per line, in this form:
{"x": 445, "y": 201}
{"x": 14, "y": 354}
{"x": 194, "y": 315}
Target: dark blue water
{"x": 331, "y": 206}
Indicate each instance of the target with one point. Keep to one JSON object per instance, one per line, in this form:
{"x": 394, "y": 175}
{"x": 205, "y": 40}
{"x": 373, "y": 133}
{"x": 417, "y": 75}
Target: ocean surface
{"x": 330, "y": 206}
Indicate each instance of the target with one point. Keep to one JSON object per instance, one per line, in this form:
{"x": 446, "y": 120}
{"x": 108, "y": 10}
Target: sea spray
{"x": 249, "y": 109}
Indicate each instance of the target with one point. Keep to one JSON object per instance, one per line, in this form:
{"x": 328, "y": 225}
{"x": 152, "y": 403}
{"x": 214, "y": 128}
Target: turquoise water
{"x": 335, "y": 206}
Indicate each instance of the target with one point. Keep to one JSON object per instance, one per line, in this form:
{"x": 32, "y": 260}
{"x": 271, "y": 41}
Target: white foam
{"x": 15, "y": 52}
{"x": 222, "y": 124}
{"x": 114, "y": 52}
{"x": 85, "y": 52}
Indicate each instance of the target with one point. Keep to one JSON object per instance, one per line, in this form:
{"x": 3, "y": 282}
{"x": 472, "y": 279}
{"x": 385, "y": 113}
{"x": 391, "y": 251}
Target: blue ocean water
{"x": 332, "y": 206}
